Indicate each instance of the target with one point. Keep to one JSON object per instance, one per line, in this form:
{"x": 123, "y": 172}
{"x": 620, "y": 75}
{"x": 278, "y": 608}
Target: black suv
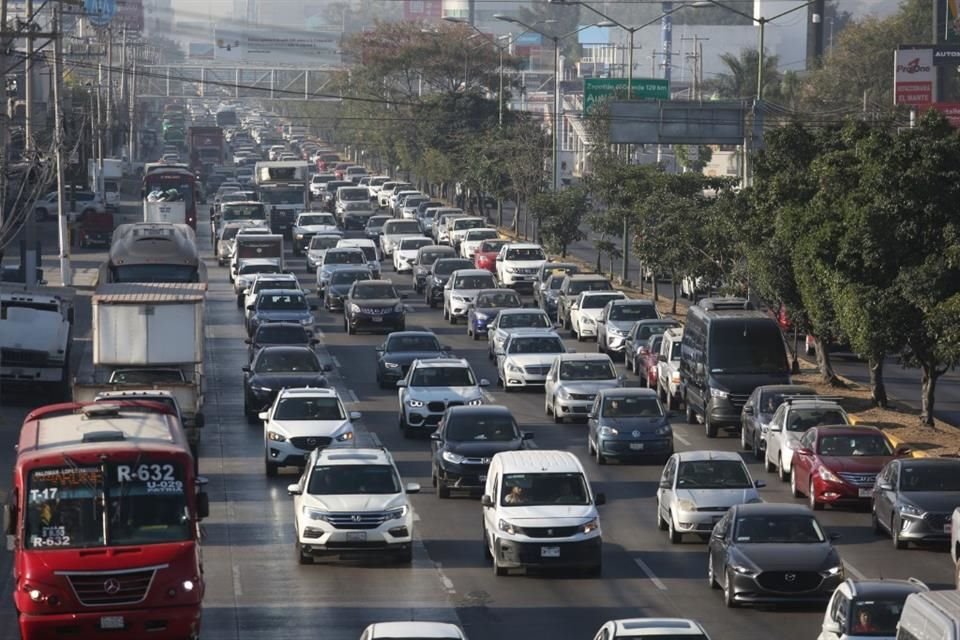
{"x": 279, "y": 333}
{"x": 423, "y": 263}
{"x": 375, "y": 305}
{"x": 439, "y": 274}
{"x": 466, "y": 440}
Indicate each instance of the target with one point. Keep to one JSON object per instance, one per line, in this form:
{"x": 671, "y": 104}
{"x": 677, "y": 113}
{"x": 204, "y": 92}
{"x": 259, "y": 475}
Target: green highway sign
{"x": 595, "y": 89}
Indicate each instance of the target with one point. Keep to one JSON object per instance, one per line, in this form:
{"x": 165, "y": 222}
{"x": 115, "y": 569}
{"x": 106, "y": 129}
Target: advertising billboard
{"x": 913, "y": 76}
{"x": 277, "y": 47}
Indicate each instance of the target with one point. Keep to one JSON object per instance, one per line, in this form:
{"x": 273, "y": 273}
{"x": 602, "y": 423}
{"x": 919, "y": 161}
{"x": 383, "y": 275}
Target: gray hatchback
{"x": 629, "y": 423}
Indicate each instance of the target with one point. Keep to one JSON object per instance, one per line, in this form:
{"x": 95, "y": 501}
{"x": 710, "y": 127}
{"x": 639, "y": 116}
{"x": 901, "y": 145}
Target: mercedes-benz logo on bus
{"x": 111, "y": 586}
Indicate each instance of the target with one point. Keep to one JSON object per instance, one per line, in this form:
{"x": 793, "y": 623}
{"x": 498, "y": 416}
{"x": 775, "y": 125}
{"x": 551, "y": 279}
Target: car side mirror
{"x": 498, "y": 352}
{"x": 671, "y": 414}
{"x": 665, "y": 484}
{"x": 355, "y": 415}
{"x": 804, "y": 451}
{"x": 245, "y": 369}
{"x": 435, "y": 436}
{"x": 574, "y": 306}
{"x": 326, "y": 368}
{"x": 592, "y": 415}
{"x": 600, "y": 499}
{"x": 834, "y": 537}
{"x": 831, "y": 626}
{"x": 251, "y": 307}
{"x": 499, "y": 259}
{"x": 413, "y": 487}
{"x": 9, "y": 520}
{"x": 902, "y": 451}
{"x": 759, "y": 484}
{"x": 203, "y": 505}
{"x": 601, "y": 321}
{"x": 484, "y": 382}
{"x": 248, "y": 341}
{"x": 774, "y": 427}
{"x": 486, "y": 501}
{"x": 314, "y": 306}
{"x": 401, "y": 383}
{"x": 314, "y": 342}
{"x": 885, "y": 486}
{"x": 264, "y": 415}
{"x": 622, "y": 378}
{"x": 380, "y": 348}
{"x": 748, "y": 409}
{"x": 446, "y": 347}
{"x": 526, "y": 435}
{"x": 661, "y": 358}
{"x": 294, "y": 489}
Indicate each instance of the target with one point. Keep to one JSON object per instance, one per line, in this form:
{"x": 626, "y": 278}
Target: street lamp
{"x": 556, "y": 81}
{"x": 762, "y": 21}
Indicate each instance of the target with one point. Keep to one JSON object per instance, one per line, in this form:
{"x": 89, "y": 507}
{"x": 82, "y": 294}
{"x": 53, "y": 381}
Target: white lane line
{"x": 856, "y": 572}
{"x": 237, "y": 589}
{"x": 650, "y": 574}
{"x": 353, "y": 396}
{"x": 681, "y": 438}
{"x": 336, "y": 362}
{"x": 416, "y": 517}
{"x": 447, "y": 582}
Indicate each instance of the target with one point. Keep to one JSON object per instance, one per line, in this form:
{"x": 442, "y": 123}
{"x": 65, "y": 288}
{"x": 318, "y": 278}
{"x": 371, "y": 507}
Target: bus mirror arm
{"x": 9, "y": 521}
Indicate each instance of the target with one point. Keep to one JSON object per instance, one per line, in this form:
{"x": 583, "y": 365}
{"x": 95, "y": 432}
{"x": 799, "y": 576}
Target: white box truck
{"x": 107, "y": 180}
{"x": 35, "y": 334}
{"x": 173, "y": 212}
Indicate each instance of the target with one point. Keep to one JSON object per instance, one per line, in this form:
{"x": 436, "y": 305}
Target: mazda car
{"x": 373, "y": 305}
{"x": 278, "y": 367}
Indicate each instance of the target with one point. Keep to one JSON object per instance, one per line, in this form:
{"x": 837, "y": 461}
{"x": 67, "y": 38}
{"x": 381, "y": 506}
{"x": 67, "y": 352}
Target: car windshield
{"x": 770, "y": 400}
{"x": 871, "y": 618}
{"x": 303, "y": 408}
{"x": 287, "y": 360}
{"x": 474, "y": 282}
{"x": 154, "y": 273}
{"x": 535, "y": 489}
{"x": 353, "y": 479}
{"x": 504, "y": 300}
{"x": 713, "y": 474}
{"x": 491, "y": 246}
{"x": 554, "y": 283}
{"x": 631, "y": 407}
{"x": 533, "y": 253}
{"x": 646, "y": 331}
{"x": 356, "y": 194}
{"x": 537, "y": 344}
{"x": 598, "y": 302}
{"x": 140, "y": 503}
{"x": 935, "y": 477}
{"x": 747, "y": 347}
{"x": 146, "y": 376}
{"x": 349, "y": 276}
{"x": 460, "y": 225}
{"x": 481, "y": 234}
{"x": 446, "y": 267}
{"x": 374, "y": 291}
{"x": 356, "y": 206}
{"x": 262, "y": 284}
{"x": 525, "y": 320}
{"x": 281, "y": 302}
{"x": 229, "y": 233}
{"x": 443, "y": 377}
{"x": 344, "y": 257}
{"x": 855, "y": 445}
{"x": 778, "y": 529}
{"x": 317, "y": 219}
{"x": 803, "y": 419}
{"x": 632, "y": 312}
{"x": 599, "y": 369}
{"x": 396, "y": 344}
{"x": 481, "y": 428}
{"x": 579, "y": 286}
{"x": 412, "y": 244}
{"x": 324, "y": 242}
{"x": 249, "y": 269}
{"x": 654, "y": 343}
{"x": 376, "y": 222}
{"x": 427, "y": 258}
{"x": 243, "y": 211}
{"x": 280, "y": 334}
{"x": 398, "y": 227}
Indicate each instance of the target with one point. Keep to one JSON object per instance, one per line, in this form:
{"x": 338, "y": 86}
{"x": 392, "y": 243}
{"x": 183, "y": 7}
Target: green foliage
{"x": 740, "y": 80}
{"x": 559, "y": 217}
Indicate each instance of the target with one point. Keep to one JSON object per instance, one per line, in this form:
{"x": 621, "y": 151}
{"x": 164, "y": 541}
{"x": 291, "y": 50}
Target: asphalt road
{"x": 256, "y": 589}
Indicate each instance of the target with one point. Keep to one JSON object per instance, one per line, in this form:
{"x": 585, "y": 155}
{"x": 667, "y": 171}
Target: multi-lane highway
{"x": 256, "y": 589}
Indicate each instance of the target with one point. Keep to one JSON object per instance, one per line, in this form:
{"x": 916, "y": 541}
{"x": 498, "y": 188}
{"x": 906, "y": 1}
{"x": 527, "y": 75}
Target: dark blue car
{"x": 485, "y": 308}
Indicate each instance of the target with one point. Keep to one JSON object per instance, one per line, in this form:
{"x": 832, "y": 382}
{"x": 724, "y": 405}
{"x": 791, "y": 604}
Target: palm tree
{"x": 741, "y": 80}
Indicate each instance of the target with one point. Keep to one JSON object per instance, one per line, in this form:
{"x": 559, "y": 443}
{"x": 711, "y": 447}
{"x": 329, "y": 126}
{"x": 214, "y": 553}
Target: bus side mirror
{"x": 9, "y": 520}
{"x": 203, "y": 505}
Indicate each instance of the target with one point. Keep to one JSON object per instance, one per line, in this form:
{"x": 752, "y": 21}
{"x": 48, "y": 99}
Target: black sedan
{"x": 279, "y": 333}
{"x": 758, "y": 410}
{"x": 767, "y": 553}
{"x": 465, "y": 441}
{"x": 375, "y": 305}
{"x": 277, "y": 367}
{"x": 400, "y": 349}
{"x": 340, "y": 282}
{"x": 436, "y": 280}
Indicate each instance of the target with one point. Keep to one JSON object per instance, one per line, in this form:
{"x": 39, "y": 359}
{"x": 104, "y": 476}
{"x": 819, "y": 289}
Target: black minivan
{"x": 728, "y": 350}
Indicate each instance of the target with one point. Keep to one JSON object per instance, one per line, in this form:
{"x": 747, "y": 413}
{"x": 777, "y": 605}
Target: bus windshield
{"x": 146, "y": 502}
{"x": 155, "y": 273}
{"x": 282, "y": 196}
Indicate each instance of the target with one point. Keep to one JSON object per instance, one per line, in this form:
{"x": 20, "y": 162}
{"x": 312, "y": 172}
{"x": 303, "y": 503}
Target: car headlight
{"x": 718, "y": 393}
{"x": 509, "y": 527}
{"x": 453, "y": 458}
{"x": 828, "y": 475}
{"x": 458, "y": 298}
{"x": 299, "y": 236}
{"x": 909, "y": 510}
{"x": 686, "y": 505}
{"x": 315, "y": 514}
{"x": 398, "y": 308}
{"x": 590, "y": 525}
{"x": 514, "y": 368}
{"x": 306, "y": 320}
{"x": 613, "y": 331}
{"x": 833, "y": 571}
{"x": 260, "y": 389}
{"x": 788, "y": 444}
{"x": 481, "y": 317}
{"x": 588, "y": 320}
{"x": 415, "y": 403}
{"x": 663, "y": 430}
{"x": 437, "y": 281}
{"x": 391, "y": 365}
{"x": 475, "y": 402}
{"x": 609, "y": 431}
{"x": 346, "y": 436}
{"x": 399, "y": 512}
{"x": 510, "y": 270}
{"x": 276, "y": 437}
{"x": 354, "y": 308}
{"x": 764, "y": 427}
{"x": 742, "y": 569}
{"x": 563, "y": 393}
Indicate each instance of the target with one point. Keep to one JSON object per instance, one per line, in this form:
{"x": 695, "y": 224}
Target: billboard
{"x": 130, "y": 15}
{"x": 277, "y": 47}
{"x": 913, "y": 76}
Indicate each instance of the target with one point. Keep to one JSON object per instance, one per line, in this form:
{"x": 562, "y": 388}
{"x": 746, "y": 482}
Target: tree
{"x": 740, "y": 81}
{"x": 558, "y": 216}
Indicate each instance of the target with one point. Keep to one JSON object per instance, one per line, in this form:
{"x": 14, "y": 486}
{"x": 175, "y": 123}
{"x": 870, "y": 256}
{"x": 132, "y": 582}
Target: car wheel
{"x": 239, "y": 301}
{"x": 689, "y": 413}
{"x": 546, "y": 406}
{"x": 497, "y": 569}
{"x": 708, "y": 425}
{"x": 271, "y": 468}
{"x": 794, "y": 489}
{"x": 302, "y": 558}
{"x": 349, "y": 328}
{"x": 757, "y": 450}
{"x": 898, "y": 542}
{"x": 711, "y": 579}
{"x": 768, "y": 465}
{"x": 728, "y": 599}
{"x": 475, "y": 335}
{"x": 486, "y": 545}
{"x": 661, "y": 523}
{"x": 671, "y": 402}
{"x": 672, "y": 533}
{"x": 878, "y": 528}
{"x": 597, "y": 456}
{"x": 443, "y": 491}
{"x": 782, "y": 473}
{"x": 811, "y": 496}
{"x": 381, "y": 382}
{"x": 744, "y": 445}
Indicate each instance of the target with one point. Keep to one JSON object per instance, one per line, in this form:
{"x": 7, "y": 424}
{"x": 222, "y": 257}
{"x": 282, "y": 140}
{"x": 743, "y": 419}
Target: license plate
{"x": 549, "y": 552}
{"x": 865, "y": 493}
{"x": 376, "y": 319}
{"x": 636, "y": 446}
{"x": 111, "y": 622}
{"x": 356, "y": 536}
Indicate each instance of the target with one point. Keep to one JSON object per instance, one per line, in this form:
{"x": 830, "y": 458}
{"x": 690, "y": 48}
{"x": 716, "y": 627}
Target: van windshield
{"x": 747, "y": 347}
{"x": 536, "y": 489}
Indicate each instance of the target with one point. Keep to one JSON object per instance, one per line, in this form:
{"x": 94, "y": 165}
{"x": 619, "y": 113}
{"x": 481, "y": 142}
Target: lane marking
{"x": 447, "y": 582}
{"x": 336, "y": 362}
{"x": 650, "y": 574}
{"x": 681, "y": 438}
{"x": 353, "y": 396}
{"x": 237, "y": 589}
{"x": 856, "y": 572}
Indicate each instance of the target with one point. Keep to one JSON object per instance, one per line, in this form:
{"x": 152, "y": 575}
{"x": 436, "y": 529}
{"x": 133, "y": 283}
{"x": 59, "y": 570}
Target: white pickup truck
{"x": 517, "y": 264}
{"x": 35, "y": 334}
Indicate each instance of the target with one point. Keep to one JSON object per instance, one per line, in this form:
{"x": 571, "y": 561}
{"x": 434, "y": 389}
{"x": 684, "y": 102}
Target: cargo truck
{"x": 106, "y": 180}
{"x": 35, "y": 334}
{"x": 283, "y": 188}
{"x": 148, "y": 336}
{"x": 254, "y": 254}
{"x": 172, "y": 212}
{"x": 205, "y": 146}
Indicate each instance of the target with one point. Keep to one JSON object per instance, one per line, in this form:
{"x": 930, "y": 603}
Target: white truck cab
{"x": 517, "y": 264}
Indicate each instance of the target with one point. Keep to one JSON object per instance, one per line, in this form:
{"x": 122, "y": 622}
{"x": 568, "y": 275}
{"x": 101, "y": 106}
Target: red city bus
{"x": 181, "y": 179}
{"x": 104, "y": 516}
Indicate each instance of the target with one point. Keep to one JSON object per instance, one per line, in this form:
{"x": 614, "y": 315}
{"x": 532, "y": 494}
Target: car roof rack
{"x": 791, "y": 398}
{"x": 725, "y": 303}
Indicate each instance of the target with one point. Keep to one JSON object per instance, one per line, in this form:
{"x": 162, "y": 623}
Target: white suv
{"x": 790, "y": 422}
{"x": 588, "y": 308}
{"x": 431, "y": 386}
{"x": 668, "y": 368}
{"x": 301, "y": 420}
{"x": 517, "y": 264}
{"x": 461, "y": 290}
{"x": 351, "y": 500}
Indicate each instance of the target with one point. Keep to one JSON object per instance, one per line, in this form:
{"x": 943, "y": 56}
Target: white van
{"x": 539, "y": 511}
{"x": 931, "y": 615}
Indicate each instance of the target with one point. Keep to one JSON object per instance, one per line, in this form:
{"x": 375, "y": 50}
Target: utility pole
{"x": 108, "y": 123}
{"x": 28, "y": 83}
{"x": 100, "y": 126}
{"x": 31, "y": 258}
{"x": 66, "y": 273}
{"x": 697, "y": 57}
{"x": 4, "y": 46}
{"x": 132, "y": 111}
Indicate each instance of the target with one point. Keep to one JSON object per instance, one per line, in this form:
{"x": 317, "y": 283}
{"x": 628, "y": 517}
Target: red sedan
{"x": 647, "y": 361}
{"x": 486, "y": 255}
{"x": 838, "y": 464}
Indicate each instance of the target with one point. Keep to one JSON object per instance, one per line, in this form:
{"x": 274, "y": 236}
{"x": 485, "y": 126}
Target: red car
{"x": 646, "y": 361}
{"x": 838, "y": 464}
{"x": 486, "y": 255}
